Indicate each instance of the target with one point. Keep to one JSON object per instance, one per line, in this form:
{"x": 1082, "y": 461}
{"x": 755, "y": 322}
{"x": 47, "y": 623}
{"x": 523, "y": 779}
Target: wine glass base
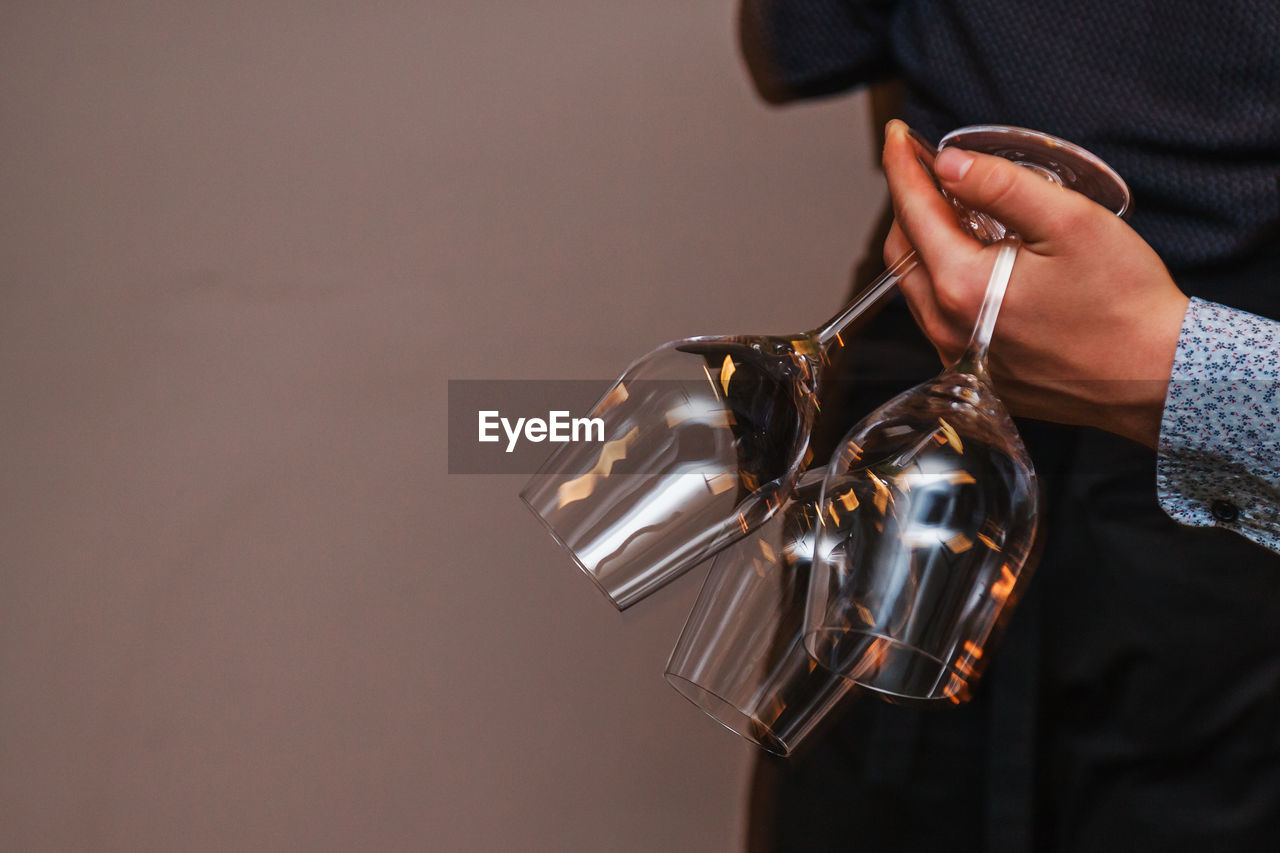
{"x": 1061, "y": 161}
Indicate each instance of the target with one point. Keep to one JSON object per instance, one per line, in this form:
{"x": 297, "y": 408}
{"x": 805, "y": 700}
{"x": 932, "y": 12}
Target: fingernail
{"x": 952, "y": 164}
{"x": 895, "y": 124}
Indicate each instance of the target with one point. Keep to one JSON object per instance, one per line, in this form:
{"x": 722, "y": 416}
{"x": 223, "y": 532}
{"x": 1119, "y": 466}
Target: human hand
{"x": 1089, "y": 325}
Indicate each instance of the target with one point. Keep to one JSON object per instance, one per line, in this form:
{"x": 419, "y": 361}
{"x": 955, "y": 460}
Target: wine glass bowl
{"x": 741, "y": 656}
{"x": 703, "y": 439}
{"x": 928, "y": 514}
{"x": 1057, "y": 160}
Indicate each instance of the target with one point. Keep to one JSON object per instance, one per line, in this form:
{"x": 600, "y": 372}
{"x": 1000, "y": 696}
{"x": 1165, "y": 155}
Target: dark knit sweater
{"x": 1182, "y": 97}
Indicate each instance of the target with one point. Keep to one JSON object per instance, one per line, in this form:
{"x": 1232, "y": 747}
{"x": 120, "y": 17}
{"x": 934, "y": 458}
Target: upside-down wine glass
{"x": 741, "y": 657}
{"x": 703, "y": 440}
{"x": 929, "y": 504}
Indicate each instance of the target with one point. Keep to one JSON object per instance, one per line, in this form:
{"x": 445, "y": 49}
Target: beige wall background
{"x": 245, "y": 244}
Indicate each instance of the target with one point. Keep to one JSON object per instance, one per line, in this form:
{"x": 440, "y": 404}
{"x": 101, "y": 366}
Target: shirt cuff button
{"x": 1224, "y": 511}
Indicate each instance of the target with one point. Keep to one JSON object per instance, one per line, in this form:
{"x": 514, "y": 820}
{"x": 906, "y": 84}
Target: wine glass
{"x": 929, "y": 504}
{"x": 741, "y": 657}
{"x": 703, "y": 438}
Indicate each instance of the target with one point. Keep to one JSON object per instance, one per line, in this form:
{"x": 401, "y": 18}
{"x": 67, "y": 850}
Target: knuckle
{"x": 945, "y": 341}
{"x": 1065, "y": 218}
{"x": 998, "y": 185}
{"x": 1079, "y": 218}
{"x": 894, "y": 247}
{"x": 934, "y": 329}
{"x": 948, "y": 301}
{"x": 956, "y": 290}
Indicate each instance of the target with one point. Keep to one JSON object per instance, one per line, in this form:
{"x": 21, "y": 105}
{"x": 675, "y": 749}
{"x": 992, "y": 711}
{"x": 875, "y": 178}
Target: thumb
{"x": 1037, "y": 209}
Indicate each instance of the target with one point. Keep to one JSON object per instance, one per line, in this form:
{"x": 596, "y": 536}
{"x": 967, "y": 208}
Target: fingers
{"x": 918, "y": 288}
{"x": 896, "y": 245}
{"x": 1039, "y": 210}
{"x": 916, "y": 285}
{"x": 926, "y": 218}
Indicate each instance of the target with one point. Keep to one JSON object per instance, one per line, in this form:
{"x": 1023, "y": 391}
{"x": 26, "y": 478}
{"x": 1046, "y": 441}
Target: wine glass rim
{"x": 560, "y": 540}
{"x": 1051, "y": 141}
{"x": 739, "y": 719}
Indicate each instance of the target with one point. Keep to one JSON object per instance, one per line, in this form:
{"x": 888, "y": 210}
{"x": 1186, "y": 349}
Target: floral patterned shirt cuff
{"x": 1219, "y": 451}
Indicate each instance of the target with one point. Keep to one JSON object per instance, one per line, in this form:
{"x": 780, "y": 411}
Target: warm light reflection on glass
{"x": 616, "y": 396}
{"x": 671, "y": 492}
{"x": 1000, "y": 589}
{"x": 610, "y": 452}
{"x": 864, "y": 614}
{"x": 720, "y": 483}
{"x": 949, "y": 433}
{"x": 881, "y": 498}
{"x": 726, "y": 373}
{"x": 849, "y": 500}
{"x": 872, "y": 659}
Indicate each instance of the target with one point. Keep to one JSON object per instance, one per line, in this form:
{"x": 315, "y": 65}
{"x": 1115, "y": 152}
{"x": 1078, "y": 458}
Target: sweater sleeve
{"x": 798, "y": 49}
{"x": 1219, "y": 448}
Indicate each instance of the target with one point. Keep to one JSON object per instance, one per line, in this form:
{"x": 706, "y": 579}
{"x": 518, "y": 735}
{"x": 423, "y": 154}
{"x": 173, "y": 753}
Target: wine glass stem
{"x": 974, "y": 359}
{"x": 830, "y": 330}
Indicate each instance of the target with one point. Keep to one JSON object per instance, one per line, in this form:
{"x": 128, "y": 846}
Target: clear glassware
{"x": 741, "y": 657}
{"x": 703, "y": 438}
{"x": 929, "y": 505}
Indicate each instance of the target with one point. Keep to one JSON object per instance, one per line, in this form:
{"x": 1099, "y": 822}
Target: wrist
{"x": 1133, "y": 407}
